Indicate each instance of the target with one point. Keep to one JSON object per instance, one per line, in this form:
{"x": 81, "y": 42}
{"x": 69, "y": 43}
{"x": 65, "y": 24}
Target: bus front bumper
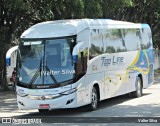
{"x": 47, "y": 102}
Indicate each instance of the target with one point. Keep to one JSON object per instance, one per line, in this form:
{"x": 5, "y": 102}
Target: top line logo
{"x": 114, "y": 60}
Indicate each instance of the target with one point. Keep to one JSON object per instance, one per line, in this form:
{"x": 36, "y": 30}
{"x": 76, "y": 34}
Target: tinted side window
{"x": 113, "y": 40}
{"x": 96, "y": 46}
{"x": 146, "y": 38}
{"x": 131, "y": 41}
{"x": 118, "y": 40}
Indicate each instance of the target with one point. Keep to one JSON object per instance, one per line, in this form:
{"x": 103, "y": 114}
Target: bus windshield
{"x": 46, "y": 62}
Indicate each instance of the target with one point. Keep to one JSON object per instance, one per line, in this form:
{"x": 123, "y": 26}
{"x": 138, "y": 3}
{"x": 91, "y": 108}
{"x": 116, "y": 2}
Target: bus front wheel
{"x": 94, "y": 99}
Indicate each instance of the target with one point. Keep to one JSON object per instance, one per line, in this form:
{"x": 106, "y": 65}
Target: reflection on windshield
{"x": 58, "y": 59}
{"x": 46, "y": 62}
{"x": 30, "y": 61}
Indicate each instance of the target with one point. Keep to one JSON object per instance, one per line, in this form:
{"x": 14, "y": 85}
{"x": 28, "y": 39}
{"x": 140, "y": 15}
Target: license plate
{"x": 44, "y": 106}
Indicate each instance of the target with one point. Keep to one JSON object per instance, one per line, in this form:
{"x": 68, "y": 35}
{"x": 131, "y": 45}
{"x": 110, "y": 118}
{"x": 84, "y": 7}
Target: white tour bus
{"x": 72, "y": 63}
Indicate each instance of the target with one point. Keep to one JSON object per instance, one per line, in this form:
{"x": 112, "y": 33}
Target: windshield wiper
{"x": 51, "y": 75}
{"x": 37, "y": 73}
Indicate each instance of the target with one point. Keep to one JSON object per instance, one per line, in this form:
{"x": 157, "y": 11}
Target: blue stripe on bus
{"x": 8, "y": 61}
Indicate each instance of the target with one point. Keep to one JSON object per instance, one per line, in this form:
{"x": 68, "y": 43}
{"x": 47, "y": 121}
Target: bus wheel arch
{"x": 95, "y": 97}
{"x": 98, "y": 90}
{"x": 140, "y": 76}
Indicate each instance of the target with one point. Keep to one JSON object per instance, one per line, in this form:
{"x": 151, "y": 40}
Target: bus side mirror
{"x": 76, "y": 50}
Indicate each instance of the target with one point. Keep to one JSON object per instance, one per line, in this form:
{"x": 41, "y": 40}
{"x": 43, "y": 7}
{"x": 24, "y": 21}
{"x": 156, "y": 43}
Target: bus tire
{"x": 94, "y": 99}
{"x": 43, "y": 110}
{"x": 138, "y": 92}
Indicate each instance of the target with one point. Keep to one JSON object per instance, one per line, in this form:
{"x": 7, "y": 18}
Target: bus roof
{"x": 62, "y": 28}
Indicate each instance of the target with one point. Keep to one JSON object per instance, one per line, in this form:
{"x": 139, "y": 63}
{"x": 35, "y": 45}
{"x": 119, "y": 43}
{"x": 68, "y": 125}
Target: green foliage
{"x": 73, "y": 9}
{"x": 92, "y": 8}
{"x": 112, "y": 8}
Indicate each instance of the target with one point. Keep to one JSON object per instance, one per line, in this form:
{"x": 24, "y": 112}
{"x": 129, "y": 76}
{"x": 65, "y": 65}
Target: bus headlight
{"x": 69, "y": 91}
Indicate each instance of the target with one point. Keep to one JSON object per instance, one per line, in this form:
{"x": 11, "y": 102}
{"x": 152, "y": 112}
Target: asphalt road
{"x": 121, "y": 110}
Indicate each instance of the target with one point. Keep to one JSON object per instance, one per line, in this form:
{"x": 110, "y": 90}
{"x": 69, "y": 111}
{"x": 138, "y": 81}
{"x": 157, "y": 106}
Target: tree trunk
{"x": 3, "y": 82}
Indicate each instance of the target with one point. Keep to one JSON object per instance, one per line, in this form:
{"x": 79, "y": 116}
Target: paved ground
{"x": 146, "y": 106}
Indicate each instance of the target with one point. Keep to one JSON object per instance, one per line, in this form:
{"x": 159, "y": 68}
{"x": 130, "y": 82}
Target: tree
{"x": 92, "y": 8}
{"x": 111, "y": 9}
{"x": 15, "y": 17}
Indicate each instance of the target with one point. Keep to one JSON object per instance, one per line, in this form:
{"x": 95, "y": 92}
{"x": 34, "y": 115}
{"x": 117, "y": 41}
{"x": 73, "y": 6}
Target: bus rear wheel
{"x": 138, "y": 92}
{"x": 94, "y": 99}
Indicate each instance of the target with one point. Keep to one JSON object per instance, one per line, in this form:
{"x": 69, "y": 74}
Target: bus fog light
{"x": 69, "y": 101}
